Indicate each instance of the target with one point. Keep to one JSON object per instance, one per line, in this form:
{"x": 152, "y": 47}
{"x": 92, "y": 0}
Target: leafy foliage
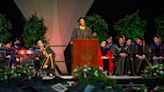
{"x": 98, "y": 25}
{"x": 92, "y": 74}
{"x": 5, "y": 27}
{"x": 159, "y": 25}
{"x": 17, "y": 73}
{"x": 131, "y": 26}
{"x": 156, "y": 71}
{"x": 34, "y": 30}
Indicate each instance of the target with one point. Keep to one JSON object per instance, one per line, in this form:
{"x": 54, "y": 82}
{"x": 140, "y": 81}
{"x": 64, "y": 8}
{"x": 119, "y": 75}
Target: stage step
{"x": 113, "y": 77}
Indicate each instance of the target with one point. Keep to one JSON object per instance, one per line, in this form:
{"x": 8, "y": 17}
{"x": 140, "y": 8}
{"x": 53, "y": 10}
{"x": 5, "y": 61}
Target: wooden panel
{"x": 84, "y": 52}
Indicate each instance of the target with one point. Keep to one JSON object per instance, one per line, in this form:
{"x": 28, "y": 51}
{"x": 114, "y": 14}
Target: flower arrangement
{"x": 17, "y": 73}
{"x": 156, "y": 71}
{"x": 92, "y": 74}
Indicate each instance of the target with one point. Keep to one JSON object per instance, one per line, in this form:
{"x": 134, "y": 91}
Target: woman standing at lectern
{"x": 81, "y": 31}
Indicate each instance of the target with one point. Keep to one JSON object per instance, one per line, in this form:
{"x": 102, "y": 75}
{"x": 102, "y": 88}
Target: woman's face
{"x": 156, "y": 40}
{"x": 82, "y": 22}
{"x": 103, "y": 44}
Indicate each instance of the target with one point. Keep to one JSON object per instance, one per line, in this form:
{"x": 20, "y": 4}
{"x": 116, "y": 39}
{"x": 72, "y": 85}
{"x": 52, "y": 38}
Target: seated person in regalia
{"x": 105, "y": 58}
{"x": 46, "y": 58}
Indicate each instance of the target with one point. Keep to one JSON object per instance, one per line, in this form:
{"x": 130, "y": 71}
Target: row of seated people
{"x": 14, "y": 54}
{"x": 126, "y": 58}
{"x": 41, "y": 57}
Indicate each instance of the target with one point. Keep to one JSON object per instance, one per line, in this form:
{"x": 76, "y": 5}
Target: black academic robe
{"x": 119, "y": 60}
{"x": 43, "y": 58}
{"x": 139, "y": 65}
{"x": 129, "y": 68}
{"x": 81, "y": 33}
{"x": 157, "y": 51}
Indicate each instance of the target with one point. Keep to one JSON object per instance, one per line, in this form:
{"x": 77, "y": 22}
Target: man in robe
{"x": 157, "y": 51}
{"x": 140, "y": 56}
{"x": 120, "y": 55}
{"x": 46, "y": 56}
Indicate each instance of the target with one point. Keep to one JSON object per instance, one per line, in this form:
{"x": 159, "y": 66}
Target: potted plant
{"x": 19, "y": 73}
{"x": 159, "y": 25}
{"x": 131, "y": 26}
{"x": 34, "y": 30}
{"x": 93, "y": 76}
{"x": 156, "y": 71}
{"x": 5, "y": 29}
{"x": 98, "y": 25}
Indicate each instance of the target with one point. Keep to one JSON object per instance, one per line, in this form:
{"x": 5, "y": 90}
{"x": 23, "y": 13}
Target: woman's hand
{"x": 104, "y": 57}
{"x": 94, "y": 34}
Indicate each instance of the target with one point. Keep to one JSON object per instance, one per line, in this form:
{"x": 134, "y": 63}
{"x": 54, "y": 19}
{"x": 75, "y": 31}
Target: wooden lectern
{"x": 84, "y": 52}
